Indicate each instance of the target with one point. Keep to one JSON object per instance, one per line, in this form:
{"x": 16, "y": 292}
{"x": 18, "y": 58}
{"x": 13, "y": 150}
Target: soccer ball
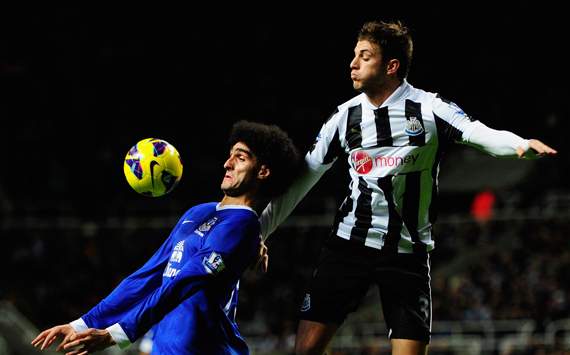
{"x": 153, "y": 167}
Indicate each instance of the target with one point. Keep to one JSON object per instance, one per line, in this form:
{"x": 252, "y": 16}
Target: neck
{"x": 378, "y": 95}
{"x": 244, "y": 200}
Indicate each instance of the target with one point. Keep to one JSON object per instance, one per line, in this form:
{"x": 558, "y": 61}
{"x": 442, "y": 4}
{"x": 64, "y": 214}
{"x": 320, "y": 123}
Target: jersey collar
{"x": 400, "y": 92}
{"x": 234, "y": 207}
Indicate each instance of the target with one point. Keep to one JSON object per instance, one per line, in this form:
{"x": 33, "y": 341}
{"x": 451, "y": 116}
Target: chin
{"x": 228, "y": 191}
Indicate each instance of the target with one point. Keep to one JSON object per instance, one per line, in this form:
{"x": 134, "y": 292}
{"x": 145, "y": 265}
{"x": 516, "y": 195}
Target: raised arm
{"x": 454, "y": 125}
{"x": 319, "y": 159}
{"x": 505, "y": 144}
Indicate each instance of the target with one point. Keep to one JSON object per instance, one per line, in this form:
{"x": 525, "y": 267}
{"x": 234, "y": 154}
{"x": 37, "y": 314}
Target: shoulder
{"x": 343, "y": 109}
{"x": 242, "y": 225}
{"x": 416, "y": 94}
{"x": 355, "y": 101}
{"x": 236, "y": 217}
{"x": 201, "y": 209}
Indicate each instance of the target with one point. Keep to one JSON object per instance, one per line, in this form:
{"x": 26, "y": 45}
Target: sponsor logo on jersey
{"x": 414, "y": 127}
{"x": 170, "y": 271}
{"x": 306, "y": 303}
{"x": 176, "y": 256}
{"x": 363, "y": 163}
{"x": 214, "y": 263}
{"x": 204, "y": 227}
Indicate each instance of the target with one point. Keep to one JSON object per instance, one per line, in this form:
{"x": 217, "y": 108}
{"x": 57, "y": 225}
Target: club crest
{"x": 414, "y": 127}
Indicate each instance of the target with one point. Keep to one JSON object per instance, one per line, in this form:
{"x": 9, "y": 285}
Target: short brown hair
{"x": 394, "y": 40}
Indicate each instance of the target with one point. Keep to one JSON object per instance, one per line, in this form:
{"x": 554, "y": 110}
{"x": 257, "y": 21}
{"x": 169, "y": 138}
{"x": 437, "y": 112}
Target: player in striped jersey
{"x": 394, "y": 136}
{"x": 188, "y": 289}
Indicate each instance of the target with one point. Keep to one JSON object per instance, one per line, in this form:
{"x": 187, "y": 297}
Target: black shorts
{"x": 344, "y": 274}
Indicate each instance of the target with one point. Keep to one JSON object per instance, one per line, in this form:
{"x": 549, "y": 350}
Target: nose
{"x": 228, "y": 164}
{"x": 354, "y": 63}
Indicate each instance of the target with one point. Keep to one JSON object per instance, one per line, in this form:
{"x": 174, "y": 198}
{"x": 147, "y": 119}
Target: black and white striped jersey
{"x": 393, "y": 153}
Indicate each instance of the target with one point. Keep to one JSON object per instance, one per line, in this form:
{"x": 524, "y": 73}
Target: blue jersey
{"x": 189, "y": 287}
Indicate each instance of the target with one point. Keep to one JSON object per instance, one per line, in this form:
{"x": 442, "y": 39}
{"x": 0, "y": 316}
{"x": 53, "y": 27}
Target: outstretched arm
{"x": 281, "y": 207}
{"x": 132, "y": 289}
{"x": 228, "y": 251}
{"x": 48, "y": 336}
{"x": 505, "y": 144}
{"x": 536, "y": 147}
{"x": 326, "y": 149}
{"x": 454, "y": 125}
{"x": 89, "y": 341}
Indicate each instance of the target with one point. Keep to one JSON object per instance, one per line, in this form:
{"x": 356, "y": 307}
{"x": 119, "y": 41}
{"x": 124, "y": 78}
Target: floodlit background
{"x": 80, "y": 86}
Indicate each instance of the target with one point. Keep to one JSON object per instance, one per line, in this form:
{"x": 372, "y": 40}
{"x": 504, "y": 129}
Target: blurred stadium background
{"x": 80, "y": 86}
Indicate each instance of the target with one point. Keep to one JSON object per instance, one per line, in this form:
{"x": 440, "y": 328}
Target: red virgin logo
{"x": 362, "y": 162}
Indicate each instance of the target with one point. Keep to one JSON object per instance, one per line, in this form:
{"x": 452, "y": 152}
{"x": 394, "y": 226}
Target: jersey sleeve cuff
{"x": 316, "y": 166}
{"x": 119, "y": 335}
{"x": 524, "y": 144}
{"x": 79, "y": 325}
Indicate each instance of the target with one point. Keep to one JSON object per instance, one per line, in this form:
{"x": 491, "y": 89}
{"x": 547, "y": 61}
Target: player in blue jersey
{"x": 188, "y": 290}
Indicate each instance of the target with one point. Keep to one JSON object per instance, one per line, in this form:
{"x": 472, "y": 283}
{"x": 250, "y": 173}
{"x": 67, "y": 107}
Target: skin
{"x": 240, "y": 185}
{"x": 241, "y": 180}
{"x": 377, "y": 78}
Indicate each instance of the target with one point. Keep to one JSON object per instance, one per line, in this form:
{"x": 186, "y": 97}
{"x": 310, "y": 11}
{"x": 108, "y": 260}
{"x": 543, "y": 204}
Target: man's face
{"x": 367, "y": 70}
{"x": 241, "y": 171}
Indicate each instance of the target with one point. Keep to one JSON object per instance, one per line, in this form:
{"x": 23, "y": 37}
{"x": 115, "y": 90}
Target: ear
{"x": 392, "y": 66}
{"x": 263, "y": 172}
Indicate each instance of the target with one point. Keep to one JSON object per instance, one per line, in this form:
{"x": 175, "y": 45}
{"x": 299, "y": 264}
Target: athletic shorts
{"x": 346, "y": 270}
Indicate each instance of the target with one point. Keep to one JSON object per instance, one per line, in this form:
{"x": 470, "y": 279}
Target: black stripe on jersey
{"x": 362, "y": 213}
{"x": 317, "y": 140}
{"x": 334, "y": 149}
{"x": 392, "y": 238}
{"x": 343, "y": 211}
{"x": 411, "y": 208}
{"x": 353, "y": 129}
{"x": 414, "y": 112}
{"x": 383, "y": 129}
{"x": 446, "y": 133}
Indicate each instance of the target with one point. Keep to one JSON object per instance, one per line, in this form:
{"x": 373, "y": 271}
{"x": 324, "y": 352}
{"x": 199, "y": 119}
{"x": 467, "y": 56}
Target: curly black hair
{"x": 273, "y": 148}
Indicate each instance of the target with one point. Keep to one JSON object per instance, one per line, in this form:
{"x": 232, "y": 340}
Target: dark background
{"x": 80, "y": 86}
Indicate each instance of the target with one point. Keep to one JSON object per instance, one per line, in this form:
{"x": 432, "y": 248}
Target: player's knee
{"x": 308, "y": 349}
{"x": 310, "y": 346}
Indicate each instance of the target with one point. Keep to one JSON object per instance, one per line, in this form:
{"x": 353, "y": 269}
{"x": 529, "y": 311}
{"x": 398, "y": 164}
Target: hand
{"x": 47, "y": 337}
{"x": 262, "y": 258}
{"x": 89, "y": 341}
{"x": 535, "y": 148}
